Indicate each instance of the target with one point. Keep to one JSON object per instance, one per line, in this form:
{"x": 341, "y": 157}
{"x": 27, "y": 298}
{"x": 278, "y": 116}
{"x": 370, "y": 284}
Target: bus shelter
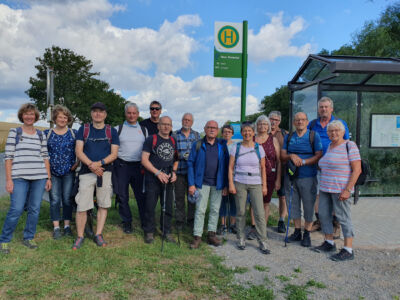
{"x": 366, "y": 94}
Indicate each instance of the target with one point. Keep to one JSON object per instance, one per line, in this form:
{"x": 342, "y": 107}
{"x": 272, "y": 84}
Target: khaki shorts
{"x": 87, "y": 184}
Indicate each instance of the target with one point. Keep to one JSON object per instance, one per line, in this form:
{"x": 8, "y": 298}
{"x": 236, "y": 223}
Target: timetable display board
{"x": 385, "y": 131}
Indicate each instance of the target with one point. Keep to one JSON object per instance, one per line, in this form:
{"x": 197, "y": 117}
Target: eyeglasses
{"x": 212, "y": 128}
{"x": 155, "y": 108}
{"x": 300, "y": 120}
{"x": 274, "y": 120}
{"x": 165, "y": 124}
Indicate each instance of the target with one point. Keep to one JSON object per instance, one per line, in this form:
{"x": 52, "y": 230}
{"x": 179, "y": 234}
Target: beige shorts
{"x": 87, "y": 184}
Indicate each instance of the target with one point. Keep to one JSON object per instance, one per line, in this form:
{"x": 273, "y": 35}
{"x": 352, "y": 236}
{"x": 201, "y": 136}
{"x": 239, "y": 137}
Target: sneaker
{"x": 241, "y": 244}
{"x": 316, "y": 226}
{"x": 127, "y": 227}
{"x": 4, "y": 248}
{"x": 149, "y": 238}
{"x": 324, "y": 247}
{"x": 232, "y": 229}
{"x": 281, "y": 226}
{"x": 67, "y": 231}
{"x": 263, "y": 248}
{"x": 78, "y": 243}
{"x": 295, "y": 236}
{"x": 252, "y": 235}
{"x": 306, "y": 241}
{"x": 222, "y": 230}
{"x": 57, "y": 234}
{"x": 99, "y": 240}
{"x": 343, "y": 255}
{"x": 169, "y": 238}
{"x": 30, "y": 244}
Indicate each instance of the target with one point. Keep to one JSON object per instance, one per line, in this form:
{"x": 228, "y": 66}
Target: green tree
{"x": 279, "y": 101}
{"x": 75, "y": 86}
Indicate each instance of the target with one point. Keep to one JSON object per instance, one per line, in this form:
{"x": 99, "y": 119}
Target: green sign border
{"x": 219, "y": 36}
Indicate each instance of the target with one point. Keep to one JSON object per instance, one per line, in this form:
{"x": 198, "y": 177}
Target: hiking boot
{"x": 78, "y": 243}
{"x": 241, "y": 244}
{"x": 252, "y": 235}
{"x": 30, "y": 244}
{"x": 336, "y": 230}
{"x": 169, "y": 238}
{"x": 213, "y": 240}
{"x": 67, "y": 231}
{"x": 196, "y": 242}
{"x": 295, "y": 236}
{"x": 306, "y": 241}
{"x": 263, "y": 248}
{"x": 316, "y": 226}
{"x": 232, "y": 229}
{"x": 281, "y": 226}
{"x": 99, "y": 240}
{"x": 149, "y": 238}
{"x": 324, "y": 247}
{"x": 343, "y": 255}
{"x": 57, "y": 234}
{"x": 222, "y": 230}
{"x": 4, "y": 248}
{"x": 127, "y": 227}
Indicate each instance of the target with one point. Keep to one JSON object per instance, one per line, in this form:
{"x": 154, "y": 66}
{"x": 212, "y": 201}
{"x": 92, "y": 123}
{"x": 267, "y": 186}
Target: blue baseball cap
{"x": 195, "y": 197}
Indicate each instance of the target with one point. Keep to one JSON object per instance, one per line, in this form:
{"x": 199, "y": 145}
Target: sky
{"x": 164, "y": 50}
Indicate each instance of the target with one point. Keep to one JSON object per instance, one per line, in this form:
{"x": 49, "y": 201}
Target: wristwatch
{"x": 102, "y": 162}
{"x": 303, "y": 162}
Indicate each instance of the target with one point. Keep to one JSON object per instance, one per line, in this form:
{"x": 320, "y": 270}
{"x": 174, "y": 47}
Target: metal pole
{"x": 50, "y": 93}
{"x": 244, "y": 73}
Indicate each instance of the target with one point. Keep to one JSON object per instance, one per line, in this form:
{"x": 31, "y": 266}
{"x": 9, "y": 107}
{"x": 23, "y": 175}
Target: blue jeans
{"x": 61, "y": 187}
{"x": 228, "y": 206}
{"x": 33, "y": 189}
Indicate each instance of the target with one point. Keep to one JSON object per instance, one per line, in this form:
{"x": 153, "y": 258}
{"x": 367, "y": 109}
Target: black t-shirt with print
{"x": 164, "y": 153}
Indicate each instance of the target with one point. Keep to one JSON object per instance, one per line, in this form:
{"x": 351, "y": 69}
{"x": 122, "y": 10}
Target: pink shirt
{"x": 335, "y": 167}
{"x": 247, "y": 162}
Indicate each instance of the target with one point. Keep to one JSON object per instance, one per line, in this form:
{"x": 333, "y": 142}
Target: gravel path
{"x": 373, "y": 274}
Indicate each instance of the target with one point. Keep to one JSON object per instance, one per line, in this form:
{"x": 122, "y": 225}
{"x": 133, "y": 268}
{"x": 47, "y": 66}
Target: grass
{"x": 261, "y": 268}
{"x": 126, "y": 268}
{"x": 283, "y": 278}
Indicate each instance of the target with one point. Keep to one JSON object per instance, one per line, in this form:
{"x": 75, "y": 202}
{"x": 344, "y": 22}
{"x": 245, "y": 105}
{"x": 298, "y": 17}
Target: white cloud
{"x": 274, "y": 40}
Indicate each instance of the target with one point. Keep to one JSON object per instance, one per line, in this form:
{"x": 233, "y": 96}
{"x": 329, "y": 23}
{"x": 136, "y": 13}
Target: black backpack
{"x": 364, "y": 169}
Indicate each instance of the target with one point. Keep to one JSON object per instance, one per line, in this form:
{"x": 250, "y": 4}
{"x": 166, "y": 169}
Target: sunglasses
{"x": 155, "y": 108}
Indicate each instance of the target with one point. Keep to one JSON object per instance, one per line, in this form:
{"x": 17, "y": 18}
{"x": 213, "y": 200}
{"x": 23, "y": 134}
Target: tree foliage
{"x": 75, "y": 86}
{"x": 279, "y": 101}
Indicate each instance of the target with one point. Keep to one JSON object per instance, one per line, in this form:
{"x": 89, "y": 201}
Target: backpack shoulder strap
{"x": 108, "y": 133}
{"x": 120, "y": 128}
{"x": 198, "y": 144}
{"x": 312, "y": 137}
{"x": 257, "y": 148}
{"x": 18, "y": 135}
{"x": 40, "y": 134}
{"x": 288, "y": 141}
{"x": 72, "y": 133}
{"x": 172, "y": 140}
{"x": 144, "y": 131}
{"x": 49, "y": 133}
{"x": 237, "y": 151}
{"x": 86, "y": 132}
{"x": 312, "y": 124}
{"x": 154, "y": 141}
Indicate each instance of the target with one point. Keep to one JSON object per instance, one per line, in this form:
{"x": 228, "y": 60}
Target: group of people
{"x": 180, "y": 168}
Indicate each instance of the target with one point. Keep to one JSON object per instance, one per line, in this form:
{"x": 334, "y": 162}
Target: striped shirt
{"x": 335, "y": 167}
{"x": 183, "y": 146}
{"x": 28, "y": 156}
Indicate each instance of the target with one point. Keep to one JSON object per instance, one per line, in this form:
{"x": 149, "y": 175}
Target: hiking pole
{"x": 174, "y": 199}
{"x": 163, "y": 216}
{"x": 290, "y": 206}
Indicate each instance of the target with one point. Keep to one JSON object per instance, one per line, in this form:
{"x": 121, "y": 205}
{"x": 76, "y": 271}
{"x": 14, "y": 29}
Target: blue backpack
{"x": 19, "y": 134}
{"x": 256, "y": 150}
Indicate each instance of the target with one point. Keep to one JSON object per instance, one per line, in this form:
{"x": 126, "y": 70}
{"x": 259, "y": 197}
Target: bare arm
{"x": 313, "y": 160}
{"x": 163, "y": 177}
{"x": 9, "y": 182}
{"x": 263, "y": 177}
{"x": 231, "y": 167}
{"x": 355, "y": 173}
{"x": 278, "y": 164}
{"x": 48, "y": 182}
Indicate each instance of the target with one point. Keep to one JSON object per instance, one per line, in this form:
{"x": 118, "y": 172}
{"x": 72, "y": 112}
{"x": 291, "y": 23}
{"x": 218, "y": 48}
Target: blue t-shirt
{"x": 97, "y": 146}
{"x": 323, "y": 134}
{"x": 302, "y": 147}
{"x": 61, "y": 150}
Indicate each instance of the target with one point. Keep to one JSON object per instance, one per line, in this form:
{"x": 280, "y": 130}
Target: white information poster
{"x": 385, "y": 130}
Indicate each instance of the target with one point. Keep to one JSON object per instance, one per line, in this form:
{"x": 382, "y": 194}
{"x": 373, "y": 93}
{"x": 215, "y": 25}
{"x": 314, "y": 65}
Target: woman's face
{"x": 247, "y": 133}
{"x": 335, "y": 134}
{"x": 227, "y": 134}
{"x": 29, "y": 117}
{"x": 262, "y": 127}
{"x": 61, "y": 120}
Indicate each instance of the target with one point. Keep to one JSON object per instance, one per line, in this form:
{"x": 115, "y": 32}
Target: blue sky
{"x": 163, "y": 50}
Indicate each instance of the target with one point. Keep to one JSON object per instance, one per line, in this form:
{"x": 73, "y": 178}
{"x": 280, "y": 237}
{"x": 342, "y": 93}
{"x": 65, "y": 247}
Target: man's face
{"x": 131, "y": 115}
{"x": 155, "y": 111}
{"x": 275, "y": 121}
{"x": 165, "y": 126}
{"x": 98, "y": 115}
{"x": 211, "y": 129}
{"x": 300, "y": 121}
{"x": 325, "y": 110}
{"x": 187, "y": 122}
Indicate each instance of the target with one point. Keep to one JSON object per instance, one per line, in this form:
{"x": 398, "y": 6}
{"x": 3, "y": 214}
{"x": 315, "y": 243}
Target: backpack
{"x": 19, "y": 134}
{"x": 155, "y": 142}
{"x": 144, "y": 130}
{"x": 311, "y": 139}
{"x": 256, "y": 150}
{"x": 364, "y": 169}
{"x": 86, "y": 132}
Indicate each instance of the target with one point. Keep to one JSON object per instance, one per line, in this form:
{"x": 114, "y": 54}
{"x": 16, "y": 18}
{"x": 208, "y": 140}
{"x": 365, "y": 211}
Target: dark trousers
{"x": 181, "y": 189}
{"x": 129, "y": 173}
{"x": 155, "y": 189}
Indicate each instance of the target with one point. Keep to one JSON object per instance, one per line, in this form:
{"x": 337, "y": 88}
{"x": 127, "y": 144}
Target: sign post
{"x": 230, "y": 55}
